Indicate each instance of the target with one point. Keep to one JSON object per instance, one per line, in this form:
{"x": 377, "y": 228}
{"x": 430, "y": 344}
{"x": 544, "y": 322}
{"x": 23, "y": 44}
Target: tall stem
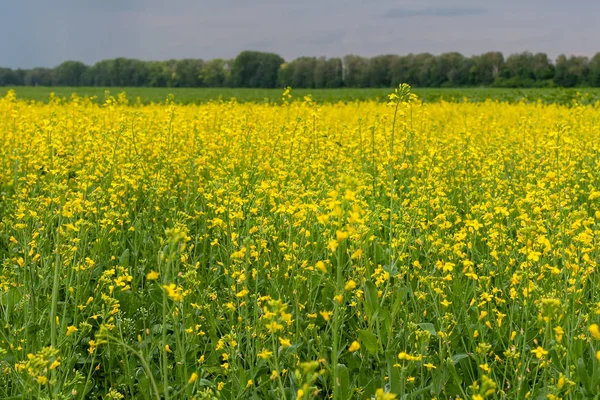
{"x": 392, "y": 183}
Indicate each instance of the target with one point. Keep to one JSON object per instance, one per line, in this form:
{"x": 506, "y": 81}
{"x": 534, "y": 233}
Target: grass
{"x": 201, "y": 95}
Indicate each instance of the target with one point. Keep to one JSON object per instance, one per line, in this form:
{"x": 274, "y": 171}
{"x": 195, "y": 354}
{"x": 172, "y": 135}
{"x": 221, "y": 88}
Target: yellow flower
{"x": 326, "y": 315}
{"x": 559, "y": 333}
{"x": 354, "y": 347}
{"x": 193, "y": 378}
{"x": 429, "y": 366}
{"x": 152, "y": 275}
{"x": 320, "y": 265}
{"x": 168, "y": 349}
{"x": 42, "y": 380}
{"x": 539, "y": 352}
{"x": 595, "y": 331}
{"x": 174, "y": 292}
{"x": 265, "y": 354}
{"x": 71, "y": 329}
{"x": 274, "y": 326}
{"x": 380, "y": 394}
{"x": 405, "y": 356}
{"x": 350, "y": 285}
{"x": 284, "y": 342}
{"x": 341, "y": 235}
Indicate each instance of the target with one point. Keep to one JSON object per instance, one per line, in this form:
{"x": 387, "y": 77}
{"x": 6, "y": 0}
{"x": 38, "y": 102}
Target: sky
{"x": 47, "y": 32}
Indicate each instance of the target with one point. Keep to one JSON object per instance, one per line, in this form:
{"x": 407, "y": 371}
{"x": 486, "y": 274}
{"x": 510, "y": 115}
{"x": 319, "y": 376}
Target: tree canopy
{"x": 254, "y": 69}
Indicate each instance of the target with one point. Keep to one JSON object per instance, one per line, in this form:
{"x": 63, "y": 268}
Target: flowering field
{"x": 300, "y": 250}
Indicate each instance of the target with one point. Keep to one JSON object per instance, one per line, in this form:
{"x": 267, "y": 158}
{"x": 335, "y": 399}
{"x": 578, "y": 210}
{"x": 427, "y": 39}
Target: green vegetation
{"x": 299, "y": 251}
{"x": 202, "y": 95}
{"x": 254, "y": 69}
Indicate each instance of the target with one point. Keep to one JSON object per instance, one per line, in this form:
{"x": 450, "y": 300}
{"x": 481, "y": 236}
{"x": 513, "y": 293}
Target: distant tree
{"x": 319, "y": 77}
{"x": 334, "y": 73}
{"x": 8, "y": 77}
{"x": 39, "y": 77}
{"x": 99, "y": 74}
{"x": 256, "y": 69}
{"x": 268, "y": 70}
{"x": 380, "y": 70}
{"x": 129, "y": 72}
{"x": 356, "y": 71}
{"x": 187, "y": 72}
{"x": 543, "y": 70}
{"x": 420, "y": 70}
{"x": 486, "y": 67}
{"x": 526, "y": 70}
{"x": 572, "y": 71}
{"x": 594, "y": 71}
{"x": 414, "y": 69}
{"x": 215, "y": 73}
{"x": 517, "y": 71}
{"x": 400, "y": 70}
{"x": 286, "y": 73}
{"x": 311, "y": 72}
{"x": 328, "y": 73}
{"x": 159, "y": 74}
{"x": 304, "y": 72}
{"x": 449, "y": 70}
{"x": 69, "y": 73}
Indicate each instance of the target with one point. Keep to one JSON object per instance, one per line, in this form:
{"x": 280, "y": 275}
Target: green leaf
{"x": 457, "y": 357}
{"x": 427, "y": 326}
{"x": 343, "y": 381}
{"x": 372, "y": 303}
{"x": 395, "y": 378}
{"x": 437, "y": 384}
{"x": 369, "y": 340}
{"x": 124, "y": 259}
{"x": 452, "y": 371}
{"x": 583, "y": 375}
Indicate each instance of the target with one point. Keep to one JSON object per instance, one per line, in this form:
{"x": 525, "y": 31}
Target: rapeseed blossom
{"x": 254, "y": 250}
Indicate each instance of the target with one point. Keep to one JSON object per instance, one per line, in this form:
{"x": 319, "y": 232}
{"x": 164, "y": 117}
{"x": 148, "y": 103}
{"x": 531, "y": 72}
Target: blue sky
{"x": 47, "y": 32}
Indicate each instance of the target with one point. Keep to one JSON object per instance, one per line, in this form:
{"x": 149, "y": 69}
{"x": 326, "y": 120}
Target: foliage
{"x": 253, "y": 69}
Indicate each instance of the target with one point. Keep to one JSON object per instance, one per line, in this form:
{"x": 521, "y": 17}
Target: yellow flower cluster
{"x": 353, "y": 250}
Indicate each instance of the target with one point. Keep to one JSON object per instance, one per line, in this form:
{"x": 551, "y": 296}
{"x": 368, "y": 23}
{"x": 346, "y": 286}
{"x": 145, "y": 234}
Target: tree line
{"x": 254, "y": 69}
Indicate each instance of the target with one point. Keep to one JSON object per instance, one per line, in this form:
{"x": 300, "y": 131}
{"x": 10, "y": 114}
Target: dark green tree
{"x": 215, "y": 73}
{"x": 356, "y": 71}
{"x": 594, "y": 71}
{"x": 187, "y": 72}
{"x": 572, "y": 71}
{"x": 38, "y": 77}
{"x": 69, "y": 73}
{"x": 380, "y": 70}
{"x": 256, "y": 69}
{"x": 485, "y": 68}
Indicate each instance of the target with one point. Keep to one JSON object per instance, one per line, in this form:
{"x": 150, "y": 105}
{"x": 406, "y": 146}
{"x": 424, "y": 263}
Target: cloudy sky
{"x": 47, "y": 32}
